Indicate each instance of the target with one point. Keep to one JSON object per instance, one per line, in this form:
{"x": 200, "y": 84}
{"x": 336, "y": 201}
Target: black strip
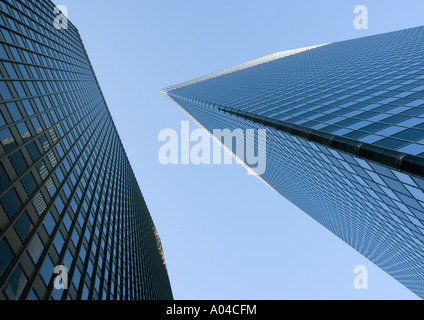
{"x": 390, "y": 158}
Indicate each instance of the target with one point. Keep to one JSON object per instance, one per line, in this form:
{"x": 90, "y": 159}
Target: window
{"x": 28, "y": 107}
{"x": 410, "y": 134}
{"x": 391, "y": 143}
{"x": 29, "y": 183}
{"x": 32, "y": 295}
{"x": 6, "y": 35}
{"x": 18, "y": 162}
{"x": 374, "y": 127}
{"x": 76, "y": 278}
{"x": 49, "y": 223}
{"x": 67, "y": 222}
{"x": 60, "y": 150}
{"x": 81, "y": 220}
{"x": 356, "y": 134}
{"x": 2, "y": 122}
{"x": 10, "y": 202}
{"x": 75, "y": 238}
{"x": 10, "y": 70}
{"x": 23, "y": 226}
{"x": 23, "y": 130}
{"x": 16, "y": 284}
{"x": 46, "y": 270}
{"x": 59, "y": 174}
{"x": 85, "y": 292}
{"x": 83, "y": 253}
{"x": 3, "y": 54}
{"x": 4, "y": 91}
{"x": 57, "y": 294}
{"x": 19, "y": 89}
{"x": 74, "y": 206}
{"x": 51, "y": 188}
{"x": 46, "y": 120}
{"x": 4, "y": 179}
{"x": 67, "y": 260}
{"x": 59, "y": 205}
{"x": 58, "y": 242}
{"x": 6, "y": 255}
{"x": 90, "y": 268}
{"x": 23, "y": 71}
{"x": 36, "y": 248}
{"x": 67, "y": 190}
{"x": 33, "y": 151}
{"x": 31, "y": 88}
{"x": 7, "y": 140}
{"x": 36, "y": 124}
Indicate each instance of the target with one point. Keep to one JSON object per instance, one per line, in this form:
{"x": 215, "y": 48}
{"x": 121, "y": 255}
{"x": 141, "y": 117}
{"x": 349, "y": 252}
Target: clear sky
{"x": 226, "y": 235}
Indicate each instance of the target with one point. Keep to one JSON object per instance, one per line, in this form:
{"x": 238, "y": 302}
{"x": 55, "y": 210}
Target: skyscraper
{"x": 68, "y": 195}
{"x": 345, "y": 137}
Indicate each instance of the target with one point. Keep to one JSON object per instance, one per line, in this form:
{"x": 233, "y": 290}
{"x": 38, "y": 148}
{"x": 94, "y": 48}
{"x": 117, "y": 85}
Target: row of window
{"x": 41, "y": 28}
{"x": 49, "y": 225}
{"x": 377, "y": 210}
{"x": 375, "y": 96}
{"x": 35, "y": 58}
{"x": 46, "y": 75}
{"x": 67, "y": 192}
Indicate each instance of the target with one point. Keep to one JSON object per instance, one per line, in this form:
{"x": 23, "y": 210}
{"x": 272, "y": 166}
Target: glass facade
{"x": 345, "y": 137}
{"x": 68, "y": 195}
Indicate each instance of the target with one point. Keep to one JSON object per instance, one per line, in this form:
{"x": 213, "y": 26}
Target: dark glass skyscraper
{"x": 345, "y": 137}
{"x": 68, "y": 195}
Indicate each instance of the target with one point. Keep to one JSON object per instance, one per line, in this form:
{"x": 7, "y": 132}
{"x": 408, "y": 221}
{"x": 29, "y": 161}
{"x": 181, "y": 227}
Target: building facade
{"x": 68, "y": 196}
{"x": 345, "y": 137}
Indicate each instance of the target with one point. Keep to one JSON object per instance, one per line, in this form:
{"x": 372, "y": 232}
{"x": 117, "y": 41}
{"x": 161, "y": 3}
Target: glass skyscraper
{"x": 68, "y": 195}
{"x": 345, "y": 137}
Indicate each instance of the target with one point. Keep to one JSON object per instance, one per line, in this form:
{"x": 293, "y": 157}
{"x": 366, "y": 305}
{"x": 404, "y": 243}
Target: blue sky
{"x": 226, "y": 235}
